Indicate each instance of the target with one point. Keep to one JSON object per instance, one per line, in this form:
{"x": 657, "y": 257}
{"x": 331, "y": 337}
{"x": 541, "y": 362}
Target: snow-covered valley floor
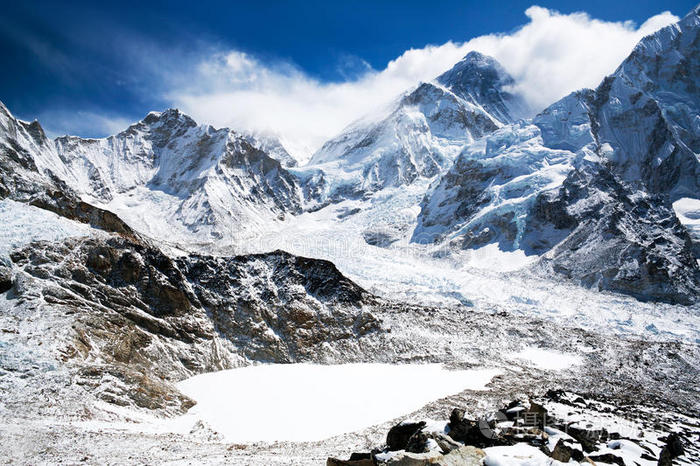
{"x": 311, "y": 402}
{"x": 529, "y": 334}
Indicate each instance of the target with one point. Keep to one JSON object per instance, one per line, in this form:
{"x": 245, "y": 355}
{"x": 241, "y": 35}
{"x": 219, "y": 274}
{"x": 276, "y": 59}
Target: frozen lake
{"x": 300, "y": 402}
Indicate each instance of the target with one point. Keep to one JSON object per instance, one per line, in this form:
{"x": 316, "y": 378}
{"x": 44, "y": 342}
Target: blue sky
{"x": 89, "y": 67}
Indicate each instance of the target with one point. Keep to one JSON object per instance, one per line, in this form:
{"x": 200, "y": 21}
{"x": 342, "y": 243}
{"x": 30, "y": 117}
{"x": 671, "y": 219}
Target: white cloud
{"x": 550, "y": 56}
{"x": 555, "y": 54}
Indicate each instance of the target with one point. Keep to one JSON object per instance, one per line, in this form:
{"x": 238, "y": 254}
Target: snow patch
{"x": 549, "y": 359}
{"x": 519, "y": 454}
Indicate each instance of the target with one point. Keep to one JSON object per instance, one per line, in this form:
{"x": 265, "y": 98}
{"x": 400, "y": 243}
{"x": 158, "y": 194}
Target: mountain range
{"x": 587, "y": 186}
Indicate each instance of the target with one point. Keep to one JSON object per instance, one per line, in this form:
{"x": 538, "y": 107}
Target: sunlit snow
{"x": 312, "y": 402}
{"x": 516, "y": 455}
{"x": 549, "y": 359}
{"x": 486, "y": 278}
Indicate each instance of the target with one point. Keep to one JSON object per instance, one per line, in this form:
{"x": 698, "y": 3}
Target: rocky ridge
{"x": 131, "y": 320}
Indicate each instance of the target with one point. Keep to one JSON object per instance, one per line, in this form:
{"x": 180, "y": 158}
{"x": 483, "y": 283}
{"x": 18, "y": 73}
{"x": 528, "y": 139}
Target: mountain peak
{"x": 480, "y": 79}
{"x": 475, "y": 72}
{"x": 479, "y": 58}
{"x": 169, "y": 116}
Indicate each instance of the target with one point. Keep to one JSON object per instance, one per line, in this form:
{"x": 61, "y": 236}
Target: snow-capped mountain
{"x": 421, "y": 133}
{"x": 588, "y": 183}
{"x": 201, "y": 181}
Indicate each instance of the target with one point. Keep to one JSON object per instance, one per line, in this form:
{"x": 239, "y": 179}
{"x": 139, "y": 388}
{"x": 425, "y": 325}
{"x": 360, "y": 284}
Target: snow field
{"x": 306, "y": 402}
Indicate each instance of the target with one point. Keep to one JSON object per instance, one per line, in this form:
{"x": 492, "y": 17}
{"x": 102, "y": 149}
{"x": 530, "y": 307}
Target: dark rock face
{"x": 5, "y": 277}
{"x": 616, "y": 239}
{"x": 69, "y": 206}
{"x": 152, "y": 320}
{"x": 285, "y": 298}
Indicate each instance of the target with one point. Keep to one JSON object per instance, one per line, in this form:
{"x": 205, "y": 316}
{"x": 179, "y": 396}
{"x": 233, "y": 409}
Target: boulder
{"x": 588, "y": 437}
{"x": 5, "y": 278}
{"x": 419, "y": 442}
{"x": 607, "y": 458}
{"x": 476, "y": 433}
{"x": 406, "y": 458}
{"x": 672, "y": 449}
{"x": 399, "y": 435}
{"x": 422, "y": 442}
{"x": 464, "y": 456}
{"x": 564, "y": 452}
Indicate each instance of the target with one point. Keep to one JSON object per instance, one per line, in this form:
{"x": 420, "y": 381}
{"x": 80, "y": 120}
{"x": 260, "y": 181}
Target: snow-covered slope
{"x": 648, "y": 111}
{"x": 273, "y": 146}
{"x": 420, "y": 134}
{"x": 588, "y": 184}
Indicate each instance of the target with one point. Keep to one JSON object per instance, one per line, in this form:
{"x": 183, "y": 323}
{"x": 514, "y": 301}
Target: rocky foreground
{"x": 558, "y": 427}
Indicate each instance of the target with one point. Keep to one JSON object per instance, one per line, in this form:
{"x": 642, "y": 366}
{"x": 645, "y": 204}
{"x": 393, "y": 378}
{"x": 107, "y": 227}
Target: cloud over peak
{"x": 550, "y": 56}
